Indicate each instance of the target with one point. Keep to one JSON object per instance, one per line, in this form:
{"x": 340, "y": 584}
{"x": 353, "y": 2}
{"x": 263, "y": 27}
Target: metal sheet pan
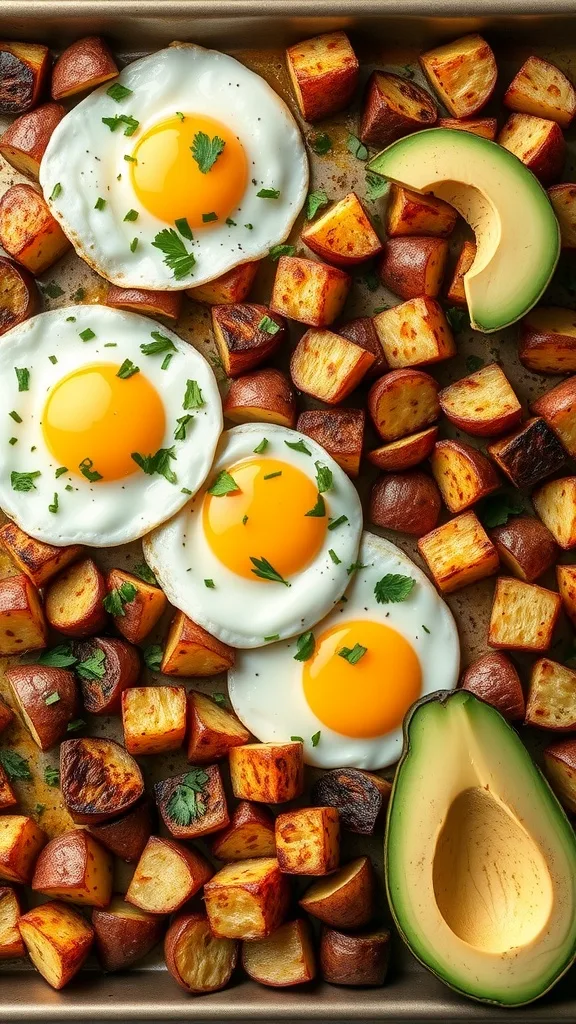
{"x": 385, "y": 33}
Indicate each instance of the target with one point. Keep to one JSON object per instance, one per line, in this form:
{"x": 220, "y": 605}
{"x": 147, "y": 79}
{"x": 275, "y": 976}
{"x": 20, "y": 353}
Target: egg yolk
{"x": 265, "y": 518}
{"x": 94, "y": 416}
{"x": 371, "y": 696}
{"x": 168, "y": 180}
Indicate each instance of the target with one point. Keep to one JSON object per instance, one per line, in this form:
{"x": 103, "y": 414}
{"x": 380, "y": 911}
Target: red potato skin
{"x": 94, "y": 618}
{"x": 127, "y": 836}
{"x": 470, "y": 464}
{"x": 494, "y": 679}
{"x": 14, "y": 277}
{"x": 123, "y": 941}
{"x": 383, "y": 122}
{"x": 347, "y": 219}
{"x": 326, "y": 93}
{"x": 405, "y": 453}
{"x": 547, "y": 160}
{"x": 485, "y": 127}
{"x": 407, "y": 502}
{"x": 269, "y": 391}
{"x": 75, "y": 954}
{"x": 24, "y": 142}
{"x": 362, "y": 332}
{"x": 153, "y": 303}
{"x": 122, "y": 669}
{"x": 393, "y": 384}
{"x": 83, "y": 65}
{"x": 526, "y": 547}
{"x": 82, "y": 767}
{"x": 479, "y": 426}
{"x": 20, "y": 91}
{"x": 403, "y": 265}
{"x": 31, "y": 685}
{"x": 182, "y": 923}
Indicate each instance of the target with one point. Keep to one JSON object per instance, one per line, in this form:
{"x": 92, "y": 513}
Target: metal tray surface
{"x": 385, "y": 34}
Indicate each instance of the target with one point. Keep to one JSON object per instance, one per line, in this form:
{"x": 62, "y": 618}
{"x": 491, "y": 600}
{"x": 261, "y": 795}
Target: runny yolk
{"x": 168, "y": 181}
{"x": 92, "y": 414}
{"x": 371, "y": 697}
{"x": 265, "y": 518}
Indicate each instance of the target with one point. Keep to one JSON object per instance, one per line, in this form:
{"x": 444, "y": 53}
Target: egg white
{"x": 104, "y": 513}
{"x": 85, "y": 158}
{"x": 242, "y": 612}
{"x": 265, "y": 686}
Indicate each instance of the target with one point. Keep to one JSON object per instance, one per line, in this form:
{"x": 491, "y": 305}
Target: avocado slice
{"x": 517, "y": 234}
{"x": 480, "y": 857}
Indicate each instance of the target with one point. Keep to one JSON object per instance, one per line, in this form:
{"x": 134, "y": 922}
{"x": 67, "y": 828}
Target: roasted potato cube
{"x": 263, "y": 396}
{"x": 83, "y": 65}
{"x": 233, "y": 286}
{"x": 249, "y": 834}
{"x": 47, "y": 700}
{"x": 58, "y": 939}
{"x": 525, "y": 546}
{"x": 328, "y": 366}
{"x": 494, "y": 679}
{"x": 402, "y": 402}
{"x": 563, "y": 199}
{"x": 346, "y": 898}
{"x": 483, "y": 403}
{"x": 548, "y": 340}
{"x": 339, "y": 431}
{"x": 359, "y": 959}
{"x": 11, "y": 944}
{"x": 413, "y": 266}
{"x": 308, "y": 841}
{"x": 21, "y": 840}
{"x": 485, "y": 127}
{"x": 212, "y": 730}
{"x": 74, "y": 600}
{"x": 407, "y": 502}
{"x": 135, "y": 605}
{"x": 284, "y": 958}
{"x": 246, "y": 334}
{"x": 566, "y": 578}
{"x": 269, "y": 773}
{"x": 106, "y": 667}
{"x": 127, "y": 836}
{"x": 458, "y": 553}
{"x": 193, "y": 804}
{"x": 197, "y": 960}
{"x": 415, "y": 333}
{"x": 523, "y": 615}
{"x": 153, "y": 719}
{"x": 191, "y": 651}
{"x": 558, "y": 408}
{"x": 529, "y": 455}
{"x": 124, "y": 934}
{"x": 413, "y": 213}
{"x": 153, "y": 303}
{"x": 394, "y": 107}
{"x": 463, "y": 73}
{"x": 38, "y": 560}
{"x": 19, "y": 296}
{"x": 6, "y": 715}
{"x": 555, "y": 503}
{"x": 540, "y": 88}
{"x": 560, "y": 767}
{"x": 22, "y": 623}
{"x": 324, "y": 73}
{"x": 24, "y": 69}
{"x": 28, "y": 231}
{"x": 363, "y": 333}
{"x": 167, "y": 875}
{"x": 75, "y": 868}
{"x": 98, "y": 779}
{"x": 343, "y": 234}
{"x": 8, "y": 797}
{"x": 25, "y": 140}
{"x": 537, "y": 142}
{"x": 359, "y": 797}
{"x": 462, "y": 473}
{"x": 247, "y": 899}
{"x": 406, "y": 452}
{"x": 309, "y": 292}
{"x": 456, "y": 292}
{"x": 551, "y": 700}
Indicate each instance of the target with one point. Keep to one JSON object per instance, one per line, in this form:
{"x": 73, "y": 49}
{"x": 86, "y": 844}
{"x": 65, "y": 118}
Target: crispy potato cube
{"x": 558, "y": 408}
{"x": 403, "y": 401}
{"x": 324, "y": 73}
{"x": 551, "y": 700}
{"x": 246, "y": 335}
{"x": 118, "y": 668}
{"x": 197, "y": 960}
{"x": 339, "y": 431}
{"x": 284, "y": 958}
{"x": 8, "y": 797}
{"x": 28, "y": 231}
{"x": 415, "y": 333}
{"x": 6, "y": 715}
{"x": 359, "y": 959}
{"x": 124, "y": 934}
{"x": 485, "y": 127}
{"x": 75, "y": 868}
{"x": 328, "y": 366}
{"x": 458, "y": 553}
{"x": 343, "y": 234}
{"x": 363, "y": 333}
{"x": 191, "y": 651}
{"x": 22, "y": 623}
{"x": 38, "y": 560}
{"x": 249, "y": 834}
{"x": 529, "y": 455}
{"x": 563, "y": 199}
{"x": 525, "y": 546}
{"x": 167, "y": 875}
{"x": 74, "y": 601}
{"x": 58, "y": 939}
{"x": 153, "y": 719}
{"x": 137, "y": 616}
{"x": 359, "y": 797}
{"x": 233, "y": 286}
{"x": 494, "y": 679}
{"x": 308, "y": 841}
{"x": 537, "y": 142}
{"x": 555, "y": 503}
{"x": 523, "y": 615}
{"x": 394, "y": 107}
{"x": 187, "y": 812}
{"x": 24, "y": 142}
{"x": 127, "y": 836}
{"x": 413, "y": 266}
{"x": 19, "y": 296}
{"x": 47, "y": 699}
{"x": 212, "y": 729}
{"x": 346, "y": 898}
{"x": 247, "y": 899}
{"x": 412, "y": 213}
{"x": 548, "y": 340}
{"x": 540, "y": 88}
{"x": 456, "y": 292}
{"x": 269, "y": 773}
{"x": 11, "y": 944}
{"x": 482, "y": 404}
{"x": 463, "y": 73}
{"x": 265, "y": 396}
{"x": 309, "y": 292}
{"x": 153, "y": 303}
{"x": 407, "y": 502}
{"x": 560, "y": 767}
{"x": 24, "y": 70}
{"x": 98, "y": 780}
{"x": 406, "y": 452}
{"x": 21, "y": 840}
{"x": 83, "y": 65}
{"x": 566, "y": 579}
{"x": 462, "y": 473}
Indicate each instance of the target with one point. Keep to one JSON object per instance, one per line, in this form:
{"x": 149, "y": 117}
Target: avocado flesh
{"x": 480, "y": 857}
{"x": 517, "y": 234}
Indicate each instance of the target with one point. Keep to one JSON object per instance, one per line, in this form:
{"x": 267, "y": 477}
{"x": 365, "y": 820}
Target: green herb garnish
{"x": 188, "y": 802}
{"x": 393, "y": 588}
{"x": 223, "y": 484}
{"x": 305, "y": 646}
{"x": 127, "y": 370}
{"x": 315, "y": 201}
{"x": 24, "y": 481}
{"x": 352, "y": 654}
{"x": 87, "y": 470}
{"x": 264, "y": 571}
{"x": 176, "y": 256}
{"x": 206, "y": 150}
{"x": 114, "y": 601}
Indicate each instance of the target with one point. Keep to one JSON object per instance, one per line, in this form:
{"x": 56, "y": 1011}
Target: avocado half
{"x": 480, "y": 858}
{"x": 517, "y": 234}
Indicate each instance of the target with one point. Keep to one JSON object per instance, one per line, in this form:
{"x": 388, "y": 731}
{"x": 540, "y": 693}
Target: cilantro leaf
{"x": 157, "y": 463}
{"x": 264, "y": 571}
{"x": 188, "y": 801}
{"x": 24, "y": 481}
{"x": 223, "y": 484}
{"x": 160, "y": 344}
{"x": 315, "y": 739}
{"x": 324, "y": 477}
{"x": 298, "y": 446}
{"x": 144, "y": 572}
{"x": 51, "y": 776}
{"x": 458, "y": 319}
{"x": 305, "y": 646}
{"x": 180, "y": 432}
{"x": 268, "y": 193}
{"x": 268, "y": 325}
{"x": 352, "y": 654}
{"x": 206, "y": 150}
{"x": 153, "y": 655}
{"x": 184, "y": 228}
{"x": 118, "y": 92}
{"x": 319, "y": 510}
{"x": 128, "y": 369}
{"x": 281, "y": 250}
{"x": 497, "y": 508}
{"x": 115, "y": 600}
{"x": 315, "y": 201}
{"x": 58, "y": 657}
{"x": 176, "y": 256}
{"x": 93, "y": 667}
{"x": 393, "y": 588}
{"x": 15, "y": 766}
{"x": 193, "y": 396}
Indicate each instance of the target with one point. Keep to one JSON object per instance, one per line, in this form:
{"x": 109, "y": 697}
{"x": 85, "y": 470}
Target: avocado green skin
{"x": 444, "y": 697}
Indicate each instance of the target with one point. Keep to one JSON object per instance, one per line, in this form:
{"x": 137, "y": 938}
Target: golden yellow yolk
{"x": 276, "y": 526}
{"x": 371, "y": 697}
{"x": 168, "y": 181}
{"x": 94, "y": 414}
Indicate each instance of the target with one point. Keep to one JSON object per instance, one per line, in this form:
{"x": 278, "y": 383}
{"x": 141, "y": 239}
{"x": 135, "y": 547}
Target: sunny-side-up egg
{"x": 184, "y": 167}
{"x": 110, "y": 424}
{"x": 267, "y": 549}
{"x": 345, "y": 686}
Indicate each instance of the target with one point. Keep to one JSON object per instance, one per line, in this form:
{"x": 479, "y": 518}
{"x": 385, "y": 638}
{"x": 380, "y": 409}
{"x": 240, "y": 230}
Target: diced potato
{"x": 284, "y": 958}
{"x": 28, "y": 231}
{"x": 485, "y": 127}
{"x": 463, "y": 73}
{"x": 529, "y": 455}
{"x": 407, "y": 502}
{"x": 11, "y": 944}
{"x": 197, "y": 960}
{"x": 555, "y": 503}
{"x": 153, "y": 719}
{"x": 403, "y": 401}
{"x": 343, "y": 234}
{"x": 127, "y": 836}
{"x": 22, "y": 623}
{"x": 494, "y": 679}
{"x": 360, "y": 959}
{"x": 540, "y": 88}
{"x": 324, "y": 73}
{"x": 265, "y": 396}
{"x": 75, "y": 868}
{"x": 525, "y": 546}
{"x": 167, "y": 875}
{"x": 8, "y": 797}
{"x": 415, "y": 333}
{"x": 346, "y": 898}
{"x": 523, "y": 616}
{"x": 191, "y": 651}
{"x": 247, "y": 899}
{"x": 24, "y": 70}
{"x": 483, "y": 403}
{"x": 98, "y": 780}
{"x": 212, "y": 729}
{"x": 458, "y": 553}
{"x": 246, "y": 334}
{"x": 558, "y": 408}
{"x": 269, "y": 773}
{"x": 308, "y": 841}
{"x": 150, "y": 303}
{"x": 360, "y": 798}
{"x": 58, "y": 940}
{"x": 119, "y": 668}
{"x": 249, "y": 834}
{"x": 74, "y": 601}
{"x": 563, "y": 199}
{"x": 140, "y": 614}
{"x": 394, "y": 107}
{"x": 412, "y": 213}
{"x": 560, "y": 767}
{"x": 19, "y": 296}
{"x": 406, "y": 452}
{"x": 339, "y": 431}
{"x": 552, "y": 696}
{"x": 548, "y": 340}
{"x": 411, "y": 267}
{"x": 361, "y": 330}
{"x": 83, "y": 65}
{"x": 462, "y": 473}
{"x": 47, "y": 699}
{"x": 189, "y": 813}
{"x": 328, "y": 366}
{"x": 25, "y": 140}
{"x": 309, "y": 292}
{"x": 21, "y": 840}
{"x": 38, "y": 560}
{"x": 537, "y": 142}
{"x": 124, "y": 934}
{"x": 456, "y": 293}
{"x": 233, "y": 286}
{"x": 566, "y": 579}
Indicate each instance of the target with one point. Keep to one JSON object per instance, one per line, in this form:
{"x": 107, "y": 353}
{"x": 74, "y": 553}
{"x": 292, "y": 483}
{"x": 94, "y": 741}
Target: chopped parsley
{"x": 298, "y": 446}
{"x": 296, "y": 739}
{"x": 264, "y": 571}
{"x": 207, "y": 218}
{"x": 87, "y": 470}
{"x": 393, "y": 588}
{"x": 88, "y": 334}
{"x": 425, "y": 628}
{"x": 184, "y": 228}
{"x": 114, "y": 601}
{"x": 78, "y": 723}
{"x": 166, "y": 361}
{"x": 54, "y": 506}
{"x": 315, "y": 739}
{"x": 133, "y": 245}
{"x": 60, "y": 471}
{"x": 24, "y": 481}
{"x": 376, "y": 186}
{"x": 128, "y": 369}
{"x": 335, "y": 523}
{"x": 281, "y": 250}
{"x": 118, "y": 92}
{"x": 188, "y": 801}
{"x": 272, "y": 637}
{"x": 100, "y": 203}
{"x": 52, "y": 290}
{"x": 315, "y": 201}
{"x": 180, "y": 432}
{"x": 193, "y": 396}
{"x": 206, "y": 150}
{"x": 58, "y": 657}
{"x": 160, "y": 344}
{"x": 144, "y": 572}
{"x": 319, "y": 509}
{"x": 15, "y": 416}
{"x": 334, "y": 556}
{"x": 94, "y": 666}
{"x": 320, "y": 143}
{"x": 52, "y": 777}
{"x": 23, "y": 378}
{"x": 305, "y": 646}
{"x": 354, "y": 567}
{"x": 356, "y": 147}
{"x": 262, "y": 446}
{"x": 52, "y": 698}
{"x": 176, "y": 256}
{"x": 223, "y": 484}
{"x": 157, "y": 463}
{"x": 458, "y": 319}
{"x": 324, "y": 477}
{"x": 268, "y": 193}
{"x": 15, "y": 766}
{"x": 153, "y": 655}
{"x": 497, "y": 509}
{"x": 130, "y": 159}
{"x": 56, "y": 191}
{"x": 132, "y": 215}
{"x": 210, "y": 584}
{"x": 130, "y": 123}
{"x": 352, "y": 654}
{"x": 474, "y": 363}
{"x": 219, "y": 698}
{"x": 268, "y": 325}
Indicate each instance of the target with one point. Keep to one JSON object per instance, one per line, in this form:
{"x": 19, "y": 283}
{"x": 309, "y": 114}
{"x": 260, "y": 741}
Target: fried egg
{"x": 187, "y": 165}
{"x": 266, "y": 550}
{"x": 345, "y": 687}
{"x": 110, "y": 424}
